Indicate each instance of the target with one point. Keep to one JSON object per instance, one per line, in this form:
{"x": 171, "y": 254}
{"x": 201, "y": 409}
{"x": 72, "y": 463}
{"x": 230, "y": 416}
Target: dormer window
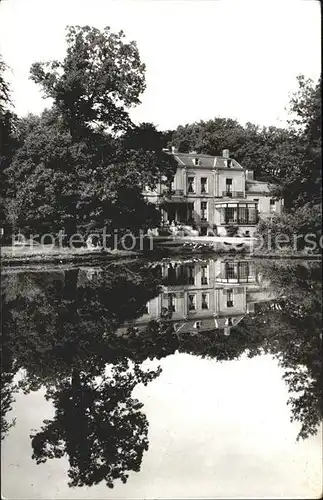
{"x": 196, "y": 161}
{"x": 228, "y": 163}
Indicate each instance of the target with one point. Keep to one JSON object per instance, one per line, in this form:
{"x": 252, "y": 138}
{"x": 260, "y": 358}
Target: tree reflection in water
{"x": 97, "y": 424}
{"x": 291, "y": 329}
{"x": 62, "y": 329}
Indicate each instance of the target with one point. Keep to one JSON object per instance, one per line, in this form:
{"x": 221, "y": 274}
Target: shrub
{"x": 296, "y": 225}
{"x": 232, "y": 229}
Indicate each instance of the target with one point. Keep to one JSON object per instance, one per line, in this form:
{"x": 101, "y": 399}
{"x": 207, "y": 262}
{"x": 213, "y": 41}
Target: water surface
{"x": 172, "y": 379}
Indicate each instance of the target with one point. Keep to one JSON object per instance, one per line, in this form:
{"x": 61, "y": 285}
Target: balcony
{"x": 174, "y": 193}
{"x": 232, "y": 194}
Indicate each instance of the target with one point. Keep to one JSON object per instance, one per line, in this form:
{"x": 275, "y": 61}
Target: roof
{"x": 257, "y": 187}
{"x": 206, "y": 323}
{"x": 205, "y": 161}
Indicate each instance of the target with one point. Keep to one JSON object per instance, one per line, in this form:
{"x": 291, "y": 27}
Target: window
{"x": 230, "y": 298}
{"x": 230, "y": 322}
{"x": 230, "y": 271}
{"x": 146, "y": 308}
{"x": 203, "y": 210}
{"x": 256, "y": 199}
{"x": 196, "y": 161}
{"x": 243, "y": 215}
{"x": 191, "y": 302}
{"x": 190, "y": 212}
{"x": 191, "y": 184}
{"x": 203, "y": 184}
{"x": 230, "y": 213}
{"x": 243, "y": 270}
{"x": 171, "y": 302}
{"x": 228, "y": 187}
{"x": 272, "y": 206}
{"x": 252, "y": 214}
{"x": 197, "y": 325}
{"x": 191, "y": 278}
{"x": 205, "y": 300}
{"x": 204, "y": 275}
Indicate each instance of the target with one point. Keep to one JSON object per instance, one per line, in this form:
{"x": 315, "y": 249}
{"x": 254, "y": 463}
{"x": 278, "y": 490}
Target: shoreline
{"x": 12, "y": 256}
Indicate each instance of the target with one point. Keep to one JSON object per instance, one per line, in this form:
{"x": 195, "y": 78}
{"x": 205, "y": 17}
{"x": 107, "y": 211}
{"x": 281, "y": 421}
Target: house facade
{"x": 211, "y": 193}
{"x": 206, "y": 295}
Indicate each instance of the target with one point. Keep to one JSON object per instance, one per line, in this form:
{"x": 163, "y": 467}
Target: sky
{"x": 216, "y": 430}
{"x": 204, "y": 58}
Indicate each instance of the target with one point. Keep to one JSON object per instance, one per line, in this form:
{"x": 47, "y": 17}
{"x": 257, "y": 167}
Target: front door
{"x": 190, "y": 210}
{"x": 171, "y": 213}
{"x": 181, "y": 213}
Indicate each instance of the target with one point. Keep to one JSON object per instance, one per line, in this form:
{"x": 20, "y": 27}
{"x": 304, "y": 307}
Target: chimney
{"x": 173, "y": 150}
{"x": 249, "y": 175}
{"x": 225, "y": 153}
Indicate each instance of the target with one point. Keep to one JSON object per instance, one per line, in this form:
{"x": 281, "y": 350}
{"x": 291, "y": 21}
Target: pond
{"x": 182, "y": 378}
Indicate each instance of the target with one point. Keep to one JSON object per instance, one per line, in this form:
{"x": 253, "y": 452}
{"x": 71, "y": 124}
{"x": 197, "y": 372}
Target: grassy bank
{"x": 45, "y": 253}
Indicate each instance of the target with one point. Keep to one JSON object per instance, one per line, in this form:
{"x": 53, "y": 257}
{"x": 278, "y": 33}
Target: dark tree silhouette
{"x": 8, "y": 388}
{"x": 97, "y": 424}
{"x": 291, "y": 329}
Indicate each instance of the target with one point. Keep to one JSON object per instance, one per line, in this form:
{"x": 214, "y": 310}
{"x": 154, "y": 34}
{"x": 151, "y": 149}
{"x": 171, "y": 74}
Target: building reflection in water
{"x": 213, "y": 294}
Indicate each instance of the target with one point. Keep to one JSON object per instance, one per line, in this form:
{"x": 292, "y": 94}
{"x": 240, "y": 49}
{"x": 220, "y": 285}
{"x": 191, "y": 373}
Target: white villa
{"x": 212, "y": 193}
{"x": 206, "y": 295}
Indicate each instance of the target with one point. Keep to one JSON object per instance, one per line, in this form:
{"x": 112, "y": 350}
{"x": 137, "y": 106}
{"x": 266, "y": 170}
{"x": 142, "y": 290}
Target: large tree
{"x": 100, "y": 78}
{"x": 300, "y": 177}
{"x": 82, "y": 165}
{"x": 57, "y": 182}
{"x": 305, "y": 179}
{"x": 8, "y": 142}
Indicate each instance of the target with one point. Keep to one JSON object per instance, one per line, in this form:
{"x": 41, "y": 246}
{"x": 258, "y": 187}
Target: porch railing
{"x": 233, "y": 194}
{"x": 247, "y": 220}
{"x": 173, "y": 192}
